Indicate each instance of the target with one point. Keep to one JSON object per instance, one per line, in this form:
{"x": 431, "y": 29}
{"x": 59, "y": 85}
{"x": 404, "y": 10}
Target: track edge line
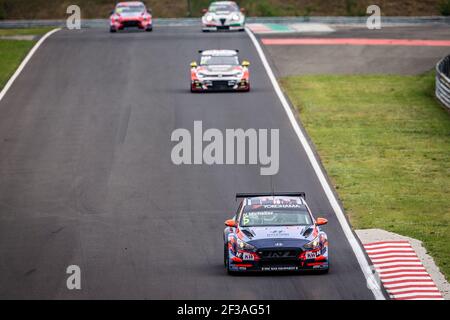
{"x": 25, "y": 62}
{"x": 356, "y": 247}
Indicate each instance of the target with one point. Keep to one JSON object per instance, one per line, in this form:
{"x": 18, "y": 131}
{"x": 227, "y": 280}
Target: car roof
{"x": 130, "y": 4}
{"x": 224, "y": 2}
{"x": 274, "y": 200}
{"x": 219, "y": 53}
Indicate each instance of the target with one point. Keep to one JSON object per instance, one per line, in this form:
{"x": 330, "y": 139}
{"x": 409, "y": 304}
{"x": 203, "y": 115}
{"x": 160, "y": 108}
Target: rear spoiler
{"x": 271, "y": 194}
{"x": 237, "y": 50}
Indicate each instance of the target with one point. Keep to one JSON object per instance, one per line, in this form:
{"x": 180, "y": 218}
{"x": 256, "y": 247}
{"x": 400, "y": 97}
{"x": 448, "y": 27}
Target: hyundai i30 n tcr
{"x": 219, "y": 70}
{"x": 275, "y": 233}
{"x": 223, "y": 15}
{"x": 130, "y": 14}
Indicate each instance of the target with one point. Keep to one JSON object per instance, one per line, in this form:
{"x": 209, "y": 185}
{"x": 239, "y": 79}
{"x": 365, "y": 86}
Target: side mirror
{"x": 112, "y": 12}
{"x": 204, "y": 11}
{"x": 149, "y": 11}
{"x": 193, "y": 64}
{"x": 321, "y": 221}
{"x": 245, "y": 63}
{"x": 230, "y": 223}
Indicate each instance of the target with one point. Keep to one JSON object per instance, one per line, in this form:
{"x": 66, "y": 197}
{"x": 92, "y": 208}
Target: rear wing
{"x": 201, "y": 51}
{"x": 271, "y": 194}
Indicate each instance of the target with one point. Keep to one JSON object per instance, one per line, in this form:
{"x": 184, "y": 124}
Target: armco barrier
{"x": 443, "y": 81}
{"x": 96, "y": 23}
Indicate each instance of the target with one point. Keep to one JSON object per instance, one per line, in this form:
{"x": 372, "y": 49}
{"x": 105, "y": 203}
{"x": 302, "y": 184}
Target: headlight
{"x": 201, "y": 74}
{"x": 239, "y": 74}
{"x": 313, "y": 244}
{"x": 235, "y": 17}
{"x": 209, "y": 17}
{"x": 244, "y": 245}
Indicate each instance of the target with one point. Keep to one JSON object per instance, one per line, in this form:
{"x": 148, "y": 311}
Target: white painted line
{"x": 426, "y": 299}
{"x": 387, "y": 245}
{"x": 403, "y": 269}
{"x": 25, "y": 61}
{"x": 408, "y": 278}
{"x": 397, "y": 274}
{"x": 427, "y": 283}
{"x": 417, "y": 289}
{"x": 359, "y": 253}
{"x": 393, "y": 264}
{"x": 400, "y": 254}
{"x": 311, "y": 27}
{"x": 371, "y": 251}
{"x": 404, "y": 295}
{"x": 392, "y": 259}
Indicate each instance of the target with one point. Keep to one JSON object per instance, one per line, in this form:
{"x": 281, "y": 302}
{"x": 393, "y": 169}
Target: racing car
{"x": 130, "y": 14}
{"x": 219, "y": 70}
{"x": 223, "y": 15}
{"x": 275, "y": 232}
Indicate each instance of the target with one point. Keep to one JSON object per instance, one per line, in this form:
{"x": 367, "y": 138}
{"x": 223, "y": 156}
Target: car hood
{"x": 278, "y": 232}
{"x": 279, "y": 237}
{"x": 219, "y": 69}
{"x": 128, "y": 15}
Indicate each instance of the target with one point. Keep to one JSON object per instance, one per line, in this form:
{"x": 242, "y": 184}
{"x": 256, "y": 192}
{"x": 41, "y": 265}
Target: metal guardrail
{"x": 101, "y": 23}
{"x": 443, "y": 81}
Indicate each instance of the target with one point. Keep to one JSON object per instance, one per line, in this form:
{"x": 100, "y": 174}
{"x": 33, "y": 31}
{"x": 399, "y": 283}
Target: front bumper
{"x": 223, "y": 24}
{"x": 224, "y": 84}
{"x": 122, "y": 24}
{"x": 223, "y": 27}
{"x": 241, "y": 262}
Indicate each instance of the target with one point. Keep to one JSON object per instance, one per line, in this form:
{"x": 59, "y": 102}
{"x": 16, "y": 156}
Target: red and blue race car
{"x": 275, "y": 232}
{"x": 131, "y": 14}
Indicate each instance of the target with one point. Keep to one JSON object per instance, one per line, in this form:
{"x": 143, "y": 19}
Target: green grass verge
{"x": 12, "y": 52}
{"x": 25, "y": 32}
{"x": 385, "y": 143}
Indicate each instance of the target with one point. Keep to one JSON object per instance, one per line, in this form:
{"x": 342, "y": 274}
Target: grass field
{"x": 12, "y": 52}
{"x": 385, "y": 143}
{"x": 24, "y": 32}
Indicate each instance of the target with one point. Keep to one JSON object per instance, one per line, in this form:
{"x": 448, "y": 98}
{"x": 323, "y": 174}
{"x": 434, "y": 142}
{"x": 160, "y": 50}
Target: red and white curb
{"x": 401, "y": 271}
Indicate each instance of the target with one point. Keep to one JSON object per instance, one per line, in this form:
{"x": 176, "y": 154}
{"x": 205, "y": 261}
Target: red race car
{"x": 131, "y": 14}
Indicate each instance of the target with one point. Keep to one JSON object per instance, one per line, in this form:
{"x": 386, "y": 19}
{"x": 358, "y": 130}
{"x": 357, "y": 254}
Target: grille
{"x": 131, "y": 23}
{"x": 220, "y": 84}
{"x": 274, "y": 254}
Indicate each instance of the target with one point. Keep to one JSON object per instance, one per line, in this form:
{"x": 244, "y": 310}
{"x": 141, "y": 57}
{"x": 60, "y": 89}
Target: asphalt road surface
{"x": 343, "y": 59}
{"x": 87, "y": 177}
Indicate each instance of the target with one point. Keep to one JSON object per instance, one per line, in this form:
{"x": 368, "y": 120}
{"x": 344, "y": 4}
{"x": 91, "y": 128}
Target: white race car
{"x": 223, "y": 15}
{"x": 219, "y": 70}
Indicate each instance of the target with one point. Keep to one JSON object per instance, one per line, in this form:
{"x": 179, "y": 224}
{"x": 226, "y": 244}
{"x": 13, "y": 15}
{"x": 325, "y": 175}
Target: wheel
{"x": 225, "y": 256}
{"x": 226, "y": 260}
{"x": 112, "y": 30}
{"x": 149, "y": 29}
{"x": 323, "y": 271}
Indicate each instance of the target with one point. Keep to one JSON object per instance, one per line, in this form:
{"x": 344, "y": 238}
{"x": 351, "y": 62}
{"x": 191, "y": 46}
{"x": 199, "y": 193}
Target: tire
{"x": 112, "y": 30}
{"x": 225, "y": 256}
{"x": 149, "y": 29}
{"x": 226, "y": 261}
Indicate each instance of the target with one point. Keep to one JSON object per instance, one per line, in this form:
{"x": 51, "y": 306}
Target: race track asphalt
{"x": 87, "y": 177}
